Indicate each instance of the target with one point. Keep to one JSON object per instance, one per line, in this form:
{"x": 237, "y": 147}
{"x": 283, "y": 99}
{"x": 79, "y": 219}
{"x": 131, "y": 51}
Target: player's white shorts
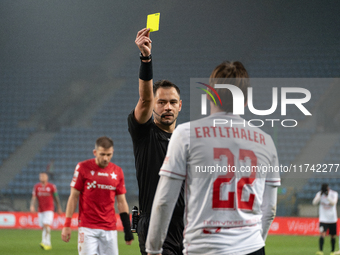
{"x": 97, "y": 241}
{"x": 45, "y": 218}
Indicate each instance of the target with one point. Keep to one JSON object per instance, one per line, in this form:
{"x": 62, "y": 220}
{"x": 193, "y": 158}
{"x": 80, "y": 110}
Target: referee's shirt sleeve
{"x": 175, "y": 162}
{"x": 137, "y": 131}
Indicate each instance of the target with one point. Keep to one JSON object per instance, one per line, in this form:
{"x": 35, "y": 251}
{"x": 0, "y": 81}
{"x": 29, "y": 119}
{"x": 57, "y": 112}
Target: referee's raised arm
{"x": 144, "y": 107}
{"x": 150, "y": 125}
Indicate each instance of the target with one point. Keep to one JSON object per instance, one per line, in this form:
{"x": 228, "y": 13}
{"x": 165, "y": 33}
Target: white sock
{"x": 48, "y": 236}
{"x": 43, "y": 239}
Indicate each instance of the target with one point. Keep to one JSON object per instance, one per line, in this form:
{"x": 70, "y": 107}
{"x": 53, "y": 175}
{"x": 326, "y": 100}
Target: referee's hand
{"x": 143, "y": 41}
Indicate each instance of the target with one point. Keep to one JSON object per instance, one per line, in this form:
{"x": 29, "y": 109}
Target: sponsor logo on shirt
{"x": 91, "y": 185}
{"x": 43, "y": 194}
{"x": 44, "y": 191}
{"x": 109, "y": 187}
{"x": 94, "y": 185}
{"x": 114, "y": 176}
{"x": 103, "y": 174}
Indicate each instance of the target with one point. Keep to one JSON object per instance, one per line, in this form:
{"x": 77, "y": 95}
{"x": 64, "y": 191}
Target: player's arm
{"x": 317, "y": 198}
{"x": 268, "y": 208}
{"x": 166, "y": 196}
{"x": 70, "y": 209}
{"x": 269, "y": 199}
{"x": 57, "y": 201}
{"x": 123, "y": 209}
{"x": 33, "y": 202}
{"x": 144, "y": 107}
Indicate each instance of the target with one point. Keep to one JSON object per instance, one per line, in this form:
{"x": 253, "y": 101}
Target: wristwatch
{"x": 144, "y": 58}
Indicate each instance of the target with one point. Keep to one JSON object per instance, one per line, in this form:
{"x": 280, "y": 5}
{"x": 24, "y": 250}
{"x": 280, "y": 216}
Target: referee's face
{"x": 167, "y": 106}
{"x": 103, "y": 156}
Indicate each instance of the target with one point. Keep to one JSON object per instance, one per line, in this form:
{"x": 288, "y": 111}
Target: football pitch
{"x": 15, "y": 242}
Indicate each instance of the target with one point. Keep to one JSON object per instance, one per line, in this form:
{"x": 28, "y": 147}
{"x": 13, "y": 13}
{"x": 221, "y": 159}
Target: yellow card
{"x": 153, "y": 22}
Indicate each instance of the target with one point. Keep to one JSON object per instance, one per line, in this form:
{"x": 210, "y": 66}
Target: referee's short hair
{"x": 165, "y": 84}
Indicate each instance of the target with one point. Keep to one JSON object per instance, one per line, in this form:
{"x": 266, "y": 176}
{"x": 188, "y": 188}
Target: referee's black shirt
{"x": 150, "y": 144}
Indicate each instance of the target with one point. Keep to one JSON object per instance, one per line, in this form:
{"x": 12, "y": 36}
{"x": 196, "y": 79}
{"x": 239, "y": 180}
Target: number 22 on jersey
{"x": 229, "y": 178}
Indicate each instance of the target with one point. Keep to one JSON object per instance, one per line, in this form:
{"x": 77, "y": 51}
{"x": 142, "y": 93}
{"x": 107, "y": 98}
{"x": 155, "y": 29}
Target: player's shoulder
{"x": 183, "y": 126}
{"x": 85, "y": 164}
{"x": 333, "y": 191}
{"x": 37, "y": 185}
{"x": 268, "y": 140}
{"x": 258, "y": 130}
{"x": 202, "y": 121}
{"x": 186, "y": 126}
{"x": 51, "y": 184}
{"x": 134, "y": 124}
{"x": 114, "y": 166}
{"x": 182, "y": 130}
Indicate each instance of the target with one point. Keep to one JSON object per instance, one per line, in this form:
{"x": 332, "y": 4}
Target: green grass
{"x": 15, "y": 242}
{"x": 296, "y": 245}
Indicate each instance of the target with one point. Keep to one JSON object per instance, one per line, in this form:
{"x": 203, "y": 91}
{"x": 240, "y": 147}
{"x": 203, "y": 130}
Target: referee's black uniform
{"x": 149, "y": 146}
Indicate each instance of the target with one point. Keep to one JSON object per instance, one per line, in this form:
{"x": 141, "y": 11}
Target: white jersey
{"x": 327, "y": 207}
{"x": 223, "y": 195}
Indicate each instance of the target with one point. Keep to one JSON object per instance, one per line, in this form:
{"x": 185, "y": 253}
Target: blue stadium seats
{"x": 24, "y": 90}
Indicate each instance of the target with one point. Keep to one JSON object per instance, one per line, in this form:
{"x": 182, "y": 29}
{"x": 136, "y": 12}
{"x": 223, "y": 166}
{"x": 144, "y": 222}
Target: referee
{"x": 151, "y": 124}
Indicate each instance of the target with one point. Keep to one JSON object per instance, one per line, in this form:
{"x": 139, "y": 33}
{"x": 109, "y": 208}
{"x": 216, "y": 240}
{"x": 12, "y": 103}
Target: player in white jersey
{"x": 327, "y": 200}
{"x": 231, "y": 178}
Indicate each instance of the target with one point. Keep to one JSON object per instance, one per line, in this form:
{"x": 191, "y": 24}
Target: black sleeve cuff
{"x": 127, "y": 226}
{"x": 145, "y": 71}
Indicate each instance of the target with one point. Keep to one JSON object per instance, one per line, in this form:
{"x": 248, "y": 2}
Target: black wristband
{"x": 145, "y": 71}
{"x": 145, "y": 58}
{"x": 127, "y": 227}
